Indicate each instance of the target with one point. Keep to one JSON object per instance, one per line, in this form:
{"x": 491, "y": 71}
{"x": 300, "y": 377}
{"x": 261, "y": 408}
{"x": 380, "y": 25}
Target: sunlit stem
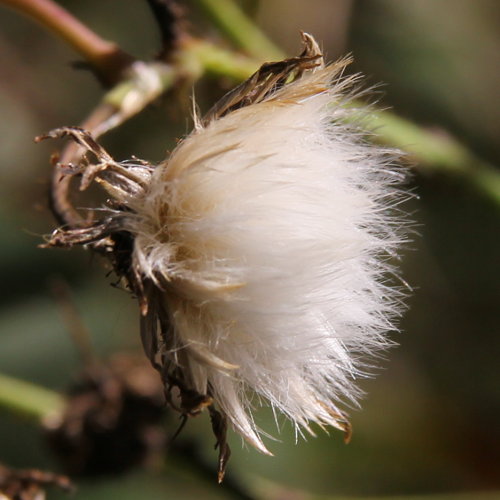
{"x": 105, "y": 57}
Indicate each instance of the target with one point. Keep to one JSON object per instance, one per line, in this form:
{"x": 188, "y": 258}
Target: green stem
{"x": 218, "y": 62}
{"x": 233, "y": 22}
{"x": 105, "y": 57}
{"x": 435, "y": 152}
{"x": 29, "y": 400}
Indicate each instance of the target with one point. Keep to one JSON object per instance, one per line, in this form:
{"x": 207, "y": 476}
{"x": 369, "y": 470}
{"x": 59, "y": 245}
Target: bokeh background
{"x": 430, "y": 420}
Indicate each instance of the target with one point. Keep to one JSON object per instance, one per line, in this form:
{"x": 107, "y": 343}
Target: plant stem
{"x": 105, "y": 57}
{"x": 435, "y": 152}
{"x": 233, "y": 22}
{"x": 432, "y": 151}
{"x": 29, "y": 400}
{"x": 218, "y": 62}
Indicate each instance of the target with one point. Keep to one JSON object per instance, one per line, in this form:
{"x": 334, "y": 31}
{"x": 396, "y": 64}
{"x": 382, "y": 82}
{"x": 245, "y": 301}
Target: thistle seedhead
{"x": 259, "y": 249}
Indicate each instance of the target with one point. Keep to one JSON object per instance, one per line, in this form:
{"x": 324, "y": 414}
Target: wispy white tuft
{"x": 270, "y": 230}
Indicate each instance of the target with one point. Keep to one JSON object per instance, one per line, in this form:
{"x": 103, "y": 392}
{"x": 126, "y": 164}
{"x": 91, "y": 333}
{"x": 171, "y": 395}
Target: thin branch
{"x": 233, "y": 22}
{"x": 29, "y": 400}
{"x": 106, "y": 58}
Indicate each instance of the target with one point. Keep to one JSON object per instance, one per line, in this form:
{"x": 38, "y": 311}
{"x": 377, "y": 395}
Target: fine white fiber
{"x": 268, "y": 232}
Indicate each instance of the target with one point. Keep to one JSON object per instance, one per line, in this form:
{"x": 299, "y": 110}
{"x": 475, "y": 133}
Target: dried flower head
{"x": 259, "y": 249}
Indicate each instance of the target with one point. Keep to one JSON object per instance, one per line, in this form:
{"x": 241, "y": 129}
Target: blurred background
{"x": 430, "y": 420}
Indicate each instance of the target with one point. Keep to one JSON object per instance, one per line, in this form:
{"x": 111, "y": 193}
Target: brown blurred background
{"x": 430, "y": 421}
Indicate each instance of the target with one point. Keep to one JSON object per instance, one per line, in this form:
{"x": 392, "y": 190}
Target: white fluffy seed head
{"x": 270, "y": 230}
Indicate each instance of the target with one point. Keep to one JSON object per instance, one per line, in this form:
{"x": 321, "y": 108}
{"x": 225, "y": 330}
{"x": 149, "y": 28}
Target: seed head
{"x": 259, "y": 249}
